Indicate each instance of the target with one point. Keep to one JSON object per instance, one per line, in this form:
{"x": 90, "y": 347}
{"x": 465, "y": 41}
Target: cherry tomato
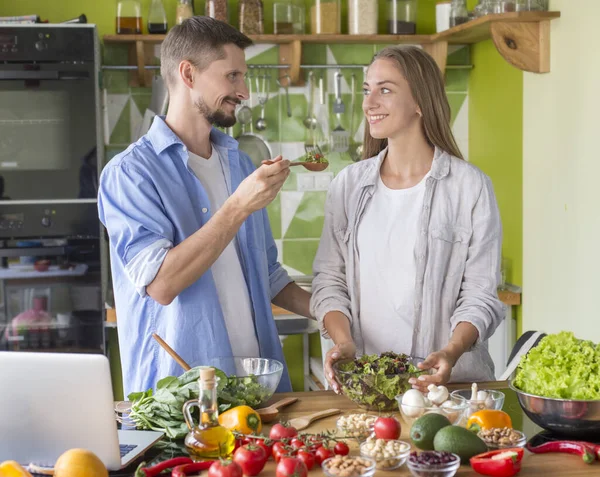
{"x": 323, "y": 453}
{"x": 280, "y": 431}
{"x": 225, "y": 468}
{"x": 251, "y": 459}
{"x": 308, "y": 458}
{"x": 280, "y": 450}
{"x": 341, "y": 448}
{"x": 387, "y": 428}
{"x": 297, "y": 443}
{"x": 267, "y": 445}
{"x": 291, "y": 467}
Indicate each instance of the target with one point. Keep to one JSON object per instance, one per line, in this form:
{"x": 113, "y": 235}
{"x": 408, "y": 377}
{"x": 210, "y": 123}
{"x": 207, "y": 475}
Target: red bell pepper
{"x": 498, "y": 463}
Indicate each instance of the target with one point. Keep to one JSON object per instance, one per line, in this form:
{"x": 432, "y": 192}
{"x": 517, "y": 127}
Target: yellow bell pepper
{"x": 488, "y": 419}
{"x": 242, "y": 419}
{"x": 10, "y": 468}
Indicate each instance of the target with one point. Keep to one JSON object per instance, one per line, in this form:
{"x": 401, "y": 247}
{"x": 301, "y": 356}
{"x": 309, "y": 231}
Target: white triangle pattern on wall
{"x": 290, "y": 201}
{"x": 114, "y": 108}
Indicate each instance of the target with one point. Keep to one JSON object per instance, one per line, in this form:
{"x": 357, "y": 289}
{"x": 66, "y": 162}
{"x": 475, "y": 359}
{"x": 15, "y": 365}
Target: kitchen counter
{"x": 308, "y": 403}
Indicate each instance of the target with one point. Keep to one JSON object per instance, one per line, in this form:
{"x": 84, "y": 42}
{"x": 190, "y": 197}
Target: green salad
{"x": 375, "y": 380}
{"x": 561, "y": 366}
{"x": 162, "y": 410}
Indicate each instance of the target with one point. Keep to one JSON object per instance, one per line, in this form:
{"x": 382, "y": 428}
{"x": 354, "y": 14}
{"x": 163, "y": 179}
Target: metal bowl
{"x": 567, "y": 417}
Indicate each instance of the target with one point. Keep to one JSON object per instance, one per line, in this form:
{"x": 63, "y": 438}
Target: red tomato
{"x": 280, "y": 431}
{"x": 314, "y": 443}
{"x": 280, "y": 450}
{"x": 341, "y": 448}
{"x": 297, "y": 443}
{"x": 267, "y": 445}
{"x": 387, "y": 428}
{"x": 251, "y": 459}
{"x": 224, "y": 468}
{"x": 323, "y": 453}
{"x": 291, "y": 467}
{"x": 308, "y": 458}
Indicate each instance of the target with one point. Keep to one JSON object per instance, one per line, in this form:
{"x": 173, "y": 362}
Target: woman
{"x": 409, "y": 259}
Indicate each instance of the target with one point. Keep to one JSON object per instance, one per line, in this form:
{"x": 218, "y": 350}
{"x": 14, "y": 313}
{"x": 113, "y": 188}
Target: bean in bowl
{"x": 348, "y": 466}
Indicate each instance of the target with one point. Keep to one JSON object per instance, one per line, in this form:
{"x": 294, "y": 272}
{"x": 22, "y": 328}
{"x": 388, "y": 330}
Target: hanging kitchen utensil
{"x": 244, "y": 113}
{"x": 252, "y": 144}
{"x": 355, "y": 149}
{"x": 310, "y": 122}
{"x": 263, "y": 97}
{"x": 339, "y": 136}
{"x": 285, "y": 84}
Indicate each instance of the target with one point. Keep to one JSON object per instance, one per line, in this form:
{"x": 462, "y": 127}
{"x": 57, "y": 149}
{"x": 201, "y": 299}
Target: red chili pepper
{"x": 569, "y": 447}
{"x": 187, "y": 469}
{"x": 498, "y": 463}
{"x": 161, "y": 466}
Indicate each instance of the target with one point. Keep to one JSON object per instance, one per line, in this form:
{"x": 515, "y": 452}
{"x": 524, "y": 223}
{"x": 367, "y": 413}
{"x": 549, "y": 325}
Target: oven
{"x": 52, "y": 268}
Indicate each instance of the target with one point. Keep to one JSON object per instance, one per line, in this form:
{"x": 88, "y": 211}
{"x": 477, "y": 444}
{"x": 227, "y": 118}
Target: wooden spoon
{"x": 270, "y": 413}
{"x": 311, "y": 166}
{"x": 303, "y": 422}
{"x": 174, "y": 355}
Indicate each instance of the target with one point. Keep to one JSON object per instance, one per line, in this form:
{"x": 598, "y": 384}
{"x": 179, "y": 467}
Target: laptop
{"x": 53, "y": 402}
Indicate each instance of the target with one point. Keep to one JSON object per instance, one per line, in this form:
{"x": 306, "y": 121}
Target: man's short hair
{"x": 200, "y": 41}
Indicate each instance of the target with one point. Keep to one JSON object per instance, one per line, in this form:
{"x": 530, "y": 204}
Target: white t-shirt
{"x": 386, "y": 238}
{"x": 227, "y": 270}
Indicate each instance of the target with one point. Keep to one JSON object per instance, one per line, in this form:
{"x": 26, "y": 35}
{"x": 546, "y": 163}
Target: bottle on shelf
{"x": 402, "y": 17}
{"x": 129, "y": 17}
{"x": 208, "y": 439}
{"x": 251, "y": 15}
{"x": 157, "y": 18}
{"x": 184, "y": 11}
{"x": 458, "y": 13}
{"x": 217, "y": 9}
{"x": 288, "y": 17}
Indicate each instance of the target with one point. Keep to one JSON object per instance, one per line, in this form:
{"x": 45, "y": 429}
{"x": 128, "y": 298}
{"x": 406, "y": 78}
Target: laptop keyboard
{"x": 126, "y": 448}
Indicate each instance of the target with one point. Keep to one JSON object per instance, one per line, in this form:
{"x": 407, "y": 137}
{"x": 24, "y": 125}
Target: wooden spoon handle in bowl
{"x": 174, "y": 355}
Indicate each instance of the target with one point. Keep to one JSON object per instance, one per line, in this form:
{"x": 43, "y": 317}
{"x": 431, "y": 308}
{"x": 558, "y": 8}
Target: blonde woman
{"x": 409, "y": 259}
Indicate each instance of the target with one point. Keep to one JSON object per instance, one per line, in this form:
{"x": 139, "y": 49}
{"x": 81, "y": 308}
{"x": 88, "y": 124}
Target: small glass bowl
{"x": 361, "y": 435}
{"x": 454, "y": 414}
{"x": 440, "y": 470}
{"x": 388, "y": 463}
{"x": 496, "y": 400}
{"x": 369, "y": 472}
{"x": 520, "y": 443}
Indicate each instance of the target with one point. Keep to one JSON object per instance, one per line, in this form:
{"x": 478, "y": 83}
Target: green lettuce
{"x": 561, "y": 366}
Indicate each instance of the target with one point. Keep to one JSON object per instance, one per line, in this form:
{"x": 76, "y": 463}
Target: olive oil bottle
{"x": 207, "y": 440}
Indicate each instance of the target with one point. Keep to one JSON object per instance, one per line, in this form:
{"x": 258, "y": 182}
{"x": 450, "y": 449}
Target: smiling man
{"x": 192, "y": 254}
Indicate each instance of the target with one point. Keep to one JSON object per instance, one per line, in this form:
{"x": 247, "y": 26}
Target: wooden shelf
{"x": 522, "y": 38}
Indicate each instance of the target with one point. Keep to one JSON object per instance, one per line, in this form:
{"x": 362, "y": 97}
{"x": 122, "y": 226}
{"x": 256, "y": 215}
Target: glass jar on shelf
{"x": 251, "y": 15}
{"x": 129, "y": 17}
{"x": 325, "y": 17}
{"x": 458, "y": 13}
{"x": 402, "y": 17}
{"x": 288, "y": 17}
{"x": 532, "y": 5}
{"x": 504, "y": 6}
{"x": 217, "y": 9}
{"x": 157, "y": 18}
{"x": 362, "y": 17}
{"x": 184, "y": 11}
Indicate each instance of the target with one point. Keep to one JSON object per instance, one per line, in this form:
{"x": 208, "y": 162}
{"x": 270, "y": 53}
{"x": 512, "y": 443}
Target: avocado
{"x": 425, "y": 428}
{"x": 459, "y": 441}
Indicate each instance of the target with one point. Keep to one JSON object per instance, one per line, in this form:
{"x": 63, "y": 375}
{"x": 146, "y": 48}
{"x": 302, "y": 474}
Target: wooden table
{"x": 533, "y": 465}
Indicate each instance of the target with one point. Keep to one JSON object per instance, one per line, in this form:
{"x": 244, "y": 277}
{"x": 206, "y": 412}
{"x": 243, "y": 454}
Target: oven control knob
{"x": 40, "y": 45}
{"x": 46, "y": 222}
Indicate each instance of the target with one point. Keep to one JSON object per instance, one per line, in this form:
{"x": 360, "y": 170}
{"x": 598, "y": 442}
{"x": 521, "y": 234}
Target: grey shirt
{"x": 457, "y": 253}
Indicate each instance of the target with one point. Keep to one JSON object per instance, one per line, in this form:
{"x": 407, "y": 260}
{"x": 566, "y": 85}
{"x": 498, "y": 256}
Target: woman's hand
{"x": 345, "y": 350}
{"x": 441, "y": 362}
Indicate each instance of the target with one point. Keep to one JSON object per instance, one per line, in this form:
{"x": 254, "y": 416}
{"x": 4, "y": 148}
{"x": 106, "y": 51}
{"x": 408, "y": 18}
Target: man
{"x": 192, "y": 254}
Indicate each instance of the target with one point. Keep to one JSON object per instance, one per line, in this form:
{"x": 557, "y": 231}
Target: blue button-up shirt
{"x": 148, "y": 194}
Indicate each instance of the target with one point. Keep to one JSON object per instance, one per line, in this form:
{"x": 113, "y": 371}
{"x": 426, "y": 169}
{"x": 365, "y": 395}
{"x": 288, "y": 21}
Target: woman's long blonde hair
{"x": 427, "y": 87}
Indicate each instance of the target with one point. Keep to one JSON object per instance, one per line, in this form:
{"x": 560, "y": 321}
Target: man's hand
{"x": 261, "y": 187}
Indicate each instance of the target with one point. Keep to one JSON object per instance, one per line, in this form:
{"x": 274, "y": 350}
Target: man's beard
{"x": 219, "y": 117}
